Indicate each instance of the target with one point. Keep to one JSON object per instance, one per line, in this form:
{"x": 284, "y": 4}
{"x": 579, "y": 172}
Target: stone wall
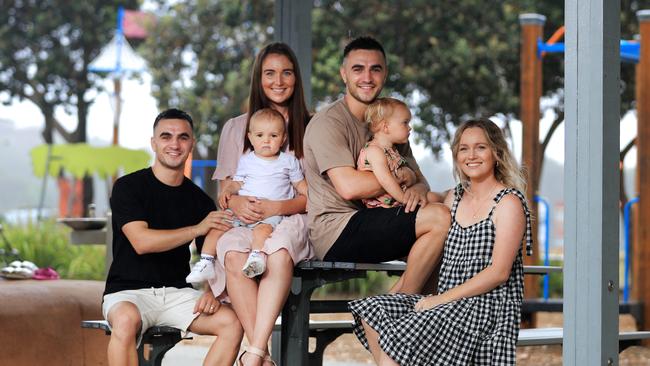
{"x": 40, "y": 323}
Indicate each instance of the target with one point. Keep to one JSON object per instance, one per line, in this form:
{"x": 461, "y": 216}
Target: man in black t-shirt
{"x": 157, "y": 212}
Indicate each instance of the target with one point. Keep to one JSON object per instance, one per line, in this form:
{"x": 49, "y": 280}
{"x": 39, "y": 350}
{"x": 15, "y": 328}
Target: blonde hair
{"x": 379, "y": 110}
{"x": 506, "y": 169}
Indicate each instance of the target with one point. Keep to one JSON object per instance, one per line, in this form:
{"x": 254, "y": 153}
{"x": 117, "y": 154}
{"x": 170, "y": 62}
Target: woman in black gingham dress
{"x": 474, "y": 318}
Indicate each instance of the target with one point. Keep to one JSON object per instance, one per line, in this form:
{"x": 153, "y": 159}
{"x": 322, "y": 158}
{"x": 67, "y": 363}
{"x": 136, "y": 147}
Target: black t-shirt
{"x": 140, "y": 196}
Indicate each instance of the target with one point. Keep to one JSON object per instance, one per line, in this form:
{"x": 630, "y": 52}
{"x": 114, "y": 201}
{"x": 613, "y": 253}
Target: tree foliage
{"x": 200, "y": 54}
{"x": 46, "y": 48}
{"x": 450, "y": 61}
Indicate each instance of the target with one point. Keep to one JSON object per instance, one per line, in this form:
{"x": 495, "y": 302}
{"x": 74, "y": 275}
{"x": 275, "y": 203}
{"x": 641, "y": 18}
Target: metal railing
{"x": 547, "y": 238}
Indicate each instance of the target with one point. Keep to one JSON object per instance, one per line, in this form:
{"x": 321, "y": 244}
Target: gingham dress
{"x": 480, "y": 330}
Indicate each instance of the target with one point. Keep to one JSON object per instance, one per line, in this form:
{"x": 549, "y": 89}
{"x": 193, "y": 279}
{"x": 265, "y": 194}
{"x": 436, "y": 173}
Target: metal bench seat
{"x": 158, "y": 339}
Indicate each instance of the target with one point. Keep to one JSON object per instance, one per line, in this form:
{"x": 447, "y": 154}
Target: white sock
{"x": 207, "y": 257}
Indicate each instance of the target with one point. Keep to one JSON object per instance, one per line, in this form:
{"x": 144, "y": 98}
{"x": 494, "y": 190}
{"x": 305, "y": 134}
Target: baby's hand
{"x": 223, "y": 200}
{"x": 406, "y": 176}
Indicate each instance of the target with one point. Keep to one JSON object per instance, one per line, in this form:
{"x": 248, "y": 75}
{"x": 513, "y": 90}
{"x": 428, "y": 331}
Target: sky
{"x": 138, "y": 112}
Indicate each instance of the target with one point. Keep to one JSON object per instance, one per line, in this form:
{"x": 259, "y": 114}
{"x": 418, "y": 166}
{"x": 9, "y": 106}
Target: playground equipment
{"x": 117, "y": 58}
{"x": 198, "y": 170}
{"x": 631, "y": 51}
{"x": 626, "y": 273}
{"x": 547, "y": 262}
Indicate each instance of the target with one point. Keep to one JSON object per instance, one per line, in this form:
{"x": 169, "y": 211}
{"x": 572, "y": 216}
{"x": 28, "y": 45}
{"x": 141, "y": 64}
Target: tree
{"x": 46, "y": 48}
{"x": 200, "y": 54}
{"x": 451, "y": 61}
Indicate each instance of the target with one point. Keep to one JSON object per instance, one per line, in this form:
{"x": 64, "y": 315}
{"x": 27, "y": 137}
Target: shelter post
{"x": 293, "y": 27}
{"x": 591, "y": 190}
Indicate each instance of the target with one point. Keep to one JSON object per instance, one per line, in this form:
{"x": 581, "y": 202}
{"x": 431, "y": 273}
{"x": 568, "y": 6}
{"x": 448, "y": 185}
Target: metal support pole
{"x": 293, "y": 27}
{"x": 591, "y": 182}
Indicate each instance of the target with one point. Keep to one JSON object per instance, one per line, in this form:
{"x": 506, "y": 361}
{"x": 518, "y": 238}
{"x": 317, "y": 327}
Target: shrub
{"x": 47, "y": 244}
{"x": 555, "y": 285}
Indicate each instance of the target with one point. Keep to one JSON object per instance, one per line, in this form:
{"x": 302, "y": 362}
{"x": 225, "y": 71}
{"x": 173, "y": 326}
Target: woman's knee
{"x": 234, "y": 261}
{"x": 280, "y": 258}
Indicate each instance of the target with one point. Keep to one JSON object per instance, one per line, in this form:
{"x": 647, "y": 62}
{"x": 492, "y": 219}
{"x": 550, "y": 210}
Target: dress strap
{"x": 528, "y": 235}
{"x": 458, "y": 194}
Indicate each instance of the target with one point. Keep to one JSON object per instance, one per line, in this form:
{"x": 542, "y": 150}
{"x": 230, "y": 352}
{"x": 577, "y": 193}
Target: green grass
{"x": 375, "y": 283}
{"x": 555, "y": 284}
{"x": 380, "y": 282}
{"x": 47, "y": 244}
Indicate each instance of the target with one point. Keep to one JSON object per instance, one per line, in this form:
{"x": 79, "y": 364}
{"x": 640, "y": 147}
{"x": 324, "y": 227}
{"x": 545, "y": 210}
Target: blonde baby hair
{"x": 379, "y": 110}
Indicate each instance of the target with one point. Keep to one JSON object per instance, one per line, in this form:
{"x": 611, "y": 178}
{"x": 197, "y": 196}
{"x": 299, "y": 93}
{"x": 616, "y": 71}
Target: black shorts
{"x": 375, "y": 235}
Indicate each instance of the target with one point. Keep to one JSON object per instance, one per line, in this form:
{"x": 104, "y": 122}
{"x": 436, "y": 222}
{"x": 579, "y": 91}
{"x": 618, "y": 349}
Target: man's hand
{"x": 406, "y": 176}
{"x": 415, "y": 195}
{"x": 218, "y": 220}
{"x": 207, "y": 303}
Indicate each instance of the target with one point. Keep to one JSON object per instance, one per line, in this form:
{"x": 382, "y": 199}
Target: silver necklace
{"x": 482, "y": 201}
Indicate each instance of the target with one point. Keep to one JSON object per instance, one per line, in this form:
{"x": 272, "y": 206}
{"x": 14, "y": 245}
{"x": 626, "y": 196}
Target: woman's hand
{"x": 207, "y": 303}
{"x": 224, "y": 198}
{"x": 248, "y": 209}
{"x": 430, "y": 302}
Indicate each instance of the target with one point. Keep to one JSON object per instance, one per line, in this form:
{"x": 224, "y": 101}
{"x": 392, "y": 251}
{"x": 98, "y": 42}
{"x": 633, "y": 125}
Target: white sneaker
{"x": 203, "y": 270}
{"x": 255, "y": 264}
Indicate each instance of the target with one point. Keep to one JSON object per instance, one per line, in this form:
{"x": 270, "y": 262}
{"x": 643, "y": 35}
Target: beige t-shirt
{"x": 334, "y": 138}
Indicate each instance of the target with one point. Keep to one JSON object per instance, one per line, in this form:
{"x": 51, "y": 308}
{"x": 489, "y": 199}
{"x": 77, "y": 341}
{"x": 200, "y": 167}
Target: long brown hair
{"x": 506, "y": 169}
{"x": 298, "y": 112}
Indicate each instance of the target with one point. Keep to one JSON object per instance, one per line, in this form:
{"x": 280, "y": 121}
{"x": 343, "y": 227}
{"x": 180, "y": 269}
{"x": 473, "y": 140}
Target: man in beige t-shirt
{"x": 340, "y": 227}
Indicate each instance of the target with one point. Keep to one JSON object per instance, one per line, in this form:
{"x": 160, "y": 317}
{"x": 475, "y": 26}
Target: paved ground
{"x": 189, "y": 354}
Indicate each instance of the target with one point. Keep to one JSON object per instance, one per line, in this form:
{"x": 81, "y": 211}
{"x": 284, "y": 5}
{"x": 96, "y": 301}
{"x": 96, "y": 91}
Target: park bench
{"x": 295, "y": 329}
{"x": 532, "y": 306}
{"x": 290, "y": 341}
{"x": 156, "y": 341}
{"x": 308, "y": 276}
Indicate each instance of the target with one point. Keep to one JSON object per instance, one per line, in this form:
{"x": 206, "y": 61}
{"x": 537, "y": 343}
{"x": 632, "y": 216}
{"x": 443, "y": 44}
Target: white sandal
{"x": 252, "y": 350}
